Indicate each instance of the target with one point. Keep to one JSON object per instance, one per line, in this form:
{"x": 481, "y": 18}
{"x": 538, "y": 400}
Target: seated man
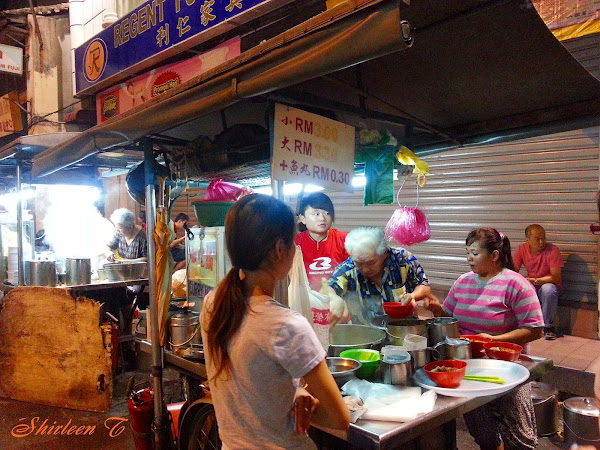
{"x": 178, "y": 244}
{"x": 378, "y": 274}
{"x": 544, "y": 264}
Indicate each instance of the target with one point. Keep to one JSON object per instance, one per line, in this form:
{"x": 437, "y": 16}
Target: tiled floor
{"x": 569, "y": 351}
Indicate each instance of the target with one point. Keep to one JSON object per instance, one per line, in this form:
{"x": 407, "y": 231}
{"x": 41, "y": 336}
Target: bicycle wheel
{"x": 201, "y": 431}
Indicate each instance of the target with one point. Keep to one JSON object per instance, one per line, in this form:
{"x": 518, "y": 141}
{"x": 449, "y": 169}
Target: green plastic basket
{"x": 211, "y": 214}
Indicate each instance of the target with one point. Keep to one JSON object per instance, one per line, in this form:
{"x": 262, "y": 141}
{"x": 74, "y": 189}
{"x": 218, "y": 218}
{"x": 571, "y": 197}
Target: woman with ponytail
{"x": 256, "y": 349}
{"x": 494, "y": 301}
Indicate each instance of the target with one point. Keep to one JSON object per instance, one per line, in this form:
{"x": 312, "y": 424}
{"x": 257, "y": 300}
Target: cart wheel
{"x": 199, "y": 429}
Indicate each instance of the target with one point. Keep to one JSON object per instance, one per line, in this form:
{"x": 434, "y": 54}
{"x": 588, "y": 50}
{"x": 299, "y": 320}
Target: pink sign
{"x": 118, "y": 99}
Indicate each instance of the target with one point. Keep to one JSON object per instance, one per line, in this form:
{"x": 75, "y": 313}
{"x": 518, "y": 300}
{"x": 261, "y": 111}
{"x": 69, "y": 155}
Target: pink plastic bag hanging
{"x": 408, "y": 226}
{"x": 222, "y": 191}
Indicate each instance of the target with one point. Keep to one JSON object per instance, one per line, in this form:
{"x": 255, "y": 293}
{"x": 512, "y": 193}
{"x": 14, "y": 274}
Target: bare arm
{"x": 433, "y": 304}
{"x": 331, "y": 411}
{"x": 554, "y": 278}
{"x": 420, "y": 292}
{"x": 519, "y": 336}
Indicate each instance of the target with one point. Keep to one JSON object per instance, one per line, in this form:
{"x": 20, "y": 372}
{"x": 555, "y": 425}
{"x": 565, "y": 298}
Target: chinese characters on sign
{"x": 312, "y": 149}
{"x": 10, "y": 114}
{"x": 155, "y": 31}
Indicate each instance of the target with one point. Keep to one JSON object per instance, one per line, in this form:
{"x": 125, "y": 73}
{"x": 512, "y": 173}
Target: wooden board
{"x": 52, "y": 351}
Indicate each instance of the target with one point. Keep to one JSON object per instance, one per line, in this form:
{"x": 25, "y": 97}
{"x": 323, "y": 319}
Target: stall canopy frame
{"x": 479, "y": 71}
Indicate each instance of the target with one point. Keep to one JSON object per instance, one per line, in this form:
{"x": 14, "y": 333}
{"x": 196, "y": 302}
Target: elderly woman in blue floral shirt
{"x": 378, "y": 273}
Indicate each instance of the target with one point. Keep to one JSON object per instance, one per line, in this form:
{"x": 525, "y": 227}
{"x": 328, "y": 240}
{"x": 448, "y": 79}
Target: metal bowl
{"x": 343, "y": 369}
{"x": 125, "y": 271}
{"x": 345, "y": 336}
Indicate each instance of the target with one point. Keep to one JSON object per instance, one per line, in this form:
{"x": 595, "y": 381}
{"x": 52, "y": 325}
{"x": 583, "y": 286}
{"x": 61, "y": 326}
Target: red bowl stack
{"x": 477, "y": 350}
{"x": 450, "y": 379}
{"x": 506, "y": 351}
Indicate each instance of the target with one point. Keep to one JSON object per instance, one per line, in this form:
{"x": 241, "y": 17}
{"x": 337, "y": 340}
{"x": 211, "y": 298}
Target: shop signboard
{"x": 11, "y": 59}
{"x": 125, "y": 96}
{"x": 312, "y": 149}
{"x": 10, "y": 114}
{"x": 155, "y": 31}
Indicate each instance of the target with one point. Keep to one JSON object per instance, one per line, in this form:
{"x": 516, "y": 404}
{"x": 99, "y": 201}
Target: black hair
{"x": 491, "y": 239}
{"x": 181, "y": 216}
{"x": 253, "y": 227}
{"x": 142, "y": 216}
{"x": 318, "y": 200}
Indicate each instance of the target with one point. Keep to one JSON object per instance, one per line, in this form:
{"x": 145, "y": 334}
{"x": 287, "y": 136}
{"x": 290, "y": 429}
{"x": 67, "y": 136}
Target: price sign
{"x": 312, "y": 149}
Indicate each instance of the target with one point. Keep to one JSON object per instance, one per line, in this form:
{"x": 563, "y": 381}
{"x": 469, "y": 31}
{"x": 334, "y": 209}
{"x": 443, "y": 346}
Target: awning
{"x": 479, "y": 71}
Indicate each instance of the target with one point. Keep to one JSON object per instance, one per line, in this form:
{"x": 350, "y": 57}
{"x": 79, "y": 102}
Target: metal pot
{"x": 345, "y": 336}
{"x": 185, "y": 331}
{"x": 79, "y": 271}
{"x": 397, "y": 329}
{"x": 580, "y": 416}
{"x": 40, "y": 273}
{"x": 545, "y": 406}
{"x": 440, "y": 328}
{"x": 457, "y": 349}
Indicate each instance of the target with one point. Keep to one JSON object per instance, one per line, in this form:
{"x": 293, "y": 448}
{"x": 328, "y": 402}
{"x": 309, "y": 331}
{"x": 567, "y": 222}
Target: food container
{"x": 453, "y": 349}
{"x": 449, "y": 379}
{"x": 397, "y": 370}
{"x": 78, "y": 271}
{"x": 124, "y": 271}
{"x": 184, "y": 327}
{"x": 397, "y": 329}
{"x": 40, "y": 273}
{"x": 580, "y": 416}
{"x": 420, "y": 357}
{"x": 545, "y": 406}
{"x": 349, "y": 336}
{"x": 369, "y": 358}
{"x": 343, "y": 369}
{"x": 510, "y": 352}
{"x": 477, "y": 350}
{"x": 440, "y": 328}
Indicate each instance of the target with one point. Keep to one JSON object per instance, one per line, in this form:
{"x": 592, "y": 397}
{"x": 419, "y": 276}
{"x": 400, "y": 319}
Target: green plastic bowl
{"x": 211, "y": 214}
{"x": 370, "y": 360}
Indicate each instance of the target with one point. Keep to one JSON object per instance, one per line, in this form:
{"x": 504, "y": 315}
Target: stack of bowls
{"x": 370, "y": 360}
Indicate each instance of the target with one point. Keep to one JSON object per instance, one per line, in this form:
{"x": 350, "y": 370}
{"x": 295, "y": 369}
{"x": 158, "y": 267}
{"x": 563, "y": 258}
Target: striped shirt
{"x": 402, "y": 273}
{"x": 495, "y": 306}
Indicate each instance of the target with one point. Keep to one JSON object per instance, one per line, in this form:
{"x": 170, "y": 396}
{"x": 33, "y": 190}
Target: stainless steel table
{"x": 387, "y": 435}
{"x": 87, "y": 287}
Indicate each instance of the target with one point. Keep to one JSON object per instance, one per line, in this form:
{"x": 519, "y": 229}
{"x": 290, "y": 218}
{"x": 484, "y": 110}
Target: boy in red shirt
{"x": 544, "y": 265}
{"x": 322, "y": 246}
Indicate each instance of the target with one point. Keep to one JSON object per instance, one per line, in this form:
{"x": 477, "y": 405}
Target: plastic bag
{"x": 407, "y": 226}
{"x": 222, "y": 191}
{"x": 311, "y": 304}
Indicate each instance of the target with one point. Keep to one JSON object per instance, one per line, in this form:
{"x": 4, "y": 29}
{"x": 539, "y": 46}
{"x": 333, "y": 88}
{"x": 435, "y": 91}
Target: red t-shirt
{"x": 538, "y": 265}
{"x": 321, "y": 258}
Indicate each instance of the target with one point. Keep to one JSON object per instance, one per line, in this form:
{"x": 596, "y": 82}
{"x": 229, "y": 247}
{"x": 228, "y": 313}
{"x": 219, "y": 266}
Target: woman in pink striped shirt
{"x": 494, "y": 301}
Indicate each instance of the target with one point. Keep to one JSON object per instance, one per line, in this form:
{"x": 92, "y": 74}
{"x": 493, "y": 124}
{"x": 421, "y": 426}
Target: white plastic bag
{"x": 311, "y": 304}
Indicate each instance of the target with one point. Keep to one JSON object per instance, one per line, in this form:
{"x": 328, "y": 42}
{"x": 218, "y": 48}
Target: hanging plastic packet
{"x": 408, "y": 225}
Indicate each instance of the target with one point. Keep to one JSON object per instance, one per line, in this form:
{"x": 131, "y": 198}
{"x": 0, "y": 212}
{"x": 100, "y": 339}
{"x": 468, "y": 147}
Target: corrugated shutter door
{"x": 551, "y": 180}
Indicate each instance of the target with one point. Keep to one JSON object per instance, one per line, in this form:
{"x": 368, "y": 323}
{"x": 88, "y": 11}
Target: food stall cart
{"x": 358, "y": 60}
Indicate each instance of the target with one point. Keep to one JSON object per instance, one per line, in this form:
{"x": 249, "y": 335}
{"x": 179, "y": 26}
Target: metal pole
{"x": 281, "y": 291}
{"x": 20, "y": 268}
{"x": 157, "y": 355}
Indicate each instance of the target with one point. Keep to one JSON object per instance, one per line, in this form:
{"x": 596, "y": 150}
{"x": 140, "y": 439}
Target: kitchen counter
{"x": 93, "y": 286}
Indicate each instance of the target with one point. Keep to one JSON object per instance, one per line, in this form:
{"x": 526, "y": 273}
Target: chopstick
{"x": 485, "y": 378}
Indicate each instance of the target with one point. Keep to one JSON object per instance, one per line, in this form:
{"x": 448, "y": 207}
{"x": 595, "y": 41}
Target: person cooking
{"x": 494, "y": 301}
{"x": 257, "y": 349}
{"x": 378, "y": 274}
{"x": 322, "y": 246}
{"x": 129, "y": 242}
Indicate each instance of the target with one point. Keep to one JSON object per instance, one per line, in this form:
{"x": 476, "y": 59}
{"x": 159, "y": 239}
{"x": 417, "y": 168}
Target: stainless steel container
{"x": 397, "y": 372}
{"x": 440, "y": 328}
{"x": 40, "y": 273}
{"x": 397, "y": 329}
{"x": 420, "y": 358}
{"x": 79, "y": 271}
{"x": 545, "y": 406}
{"x": 457, "y": 349}
{"x": 185, "y": 331}
{"x": 346, "y": 336}
{"x": 343, "y": 369}
{"x": 580, "y": 416}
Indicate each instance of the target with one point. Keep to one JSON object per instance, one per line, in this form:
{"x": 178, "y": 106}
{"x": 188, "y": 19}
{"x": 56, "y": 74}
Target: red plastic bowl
{"x": 397, "y": 310}
{"x": 446, "y": 379}
{"x": 477, "y": 342}
{"x": 512, "y": 352}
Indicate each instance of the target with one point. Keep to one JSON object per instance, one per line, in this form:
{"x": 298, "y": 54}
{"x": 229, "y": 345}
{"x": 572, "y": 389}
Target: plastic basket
{"x": 211, "y": 214}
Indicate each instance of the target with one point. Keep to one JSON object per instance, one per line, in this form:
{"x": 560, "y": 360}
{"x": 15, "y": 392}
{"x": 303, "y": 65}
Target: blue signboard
{"x": 153, "y": 28}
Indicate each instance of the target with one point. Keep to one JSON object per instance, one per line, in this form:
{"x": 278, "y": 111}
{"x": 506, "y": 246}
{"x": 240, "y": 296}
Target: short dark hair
{"x": 318, "y": 200}
{"x": 142, "y": 216}
{"x": 531, "y": 227}
{"x": 181, "y": 216}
